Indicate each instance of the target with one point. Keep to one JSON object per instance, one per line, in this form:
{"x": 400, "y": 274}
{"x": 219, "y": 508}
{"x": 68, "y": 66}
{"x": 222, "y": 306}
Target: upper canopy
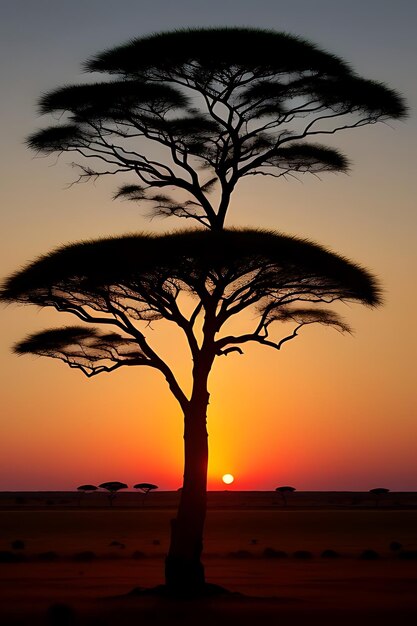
{"x": 216, "y": 48}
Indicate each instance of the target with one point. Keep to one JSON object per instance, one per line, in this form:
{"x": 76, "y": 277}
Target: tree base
{"x": 183, "y": 573}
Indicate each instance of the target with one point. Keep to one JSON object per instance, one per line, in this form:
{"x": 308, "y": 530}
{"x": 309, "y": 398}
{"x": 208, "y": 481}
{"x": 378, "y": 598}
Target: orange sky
{"x": 328, "y": 411}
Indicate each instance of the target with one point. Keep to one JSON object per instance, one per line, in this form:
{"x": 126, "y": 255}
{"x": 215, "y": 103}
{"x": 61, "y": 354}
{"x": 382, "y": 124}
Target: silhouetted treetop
{"x": 233, "y": 57}
{"x": 216, "y": 49}
{"x": 221, "y": 104}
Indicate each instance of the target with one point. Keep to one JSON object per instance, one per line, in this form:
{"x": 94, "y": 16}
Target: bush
{"x": 84, "y": 557}
{"x": 303, "y": 554}
{"x": 138, "y": 555}
{"x": 60, "y": 615}
{"x": 408, "y": 555}
{"x": 50, "y": 555}
{"x": 271, "y": 553}
{"x": 117, "y": 544}
{"x": 330, "y": 554}
{"x": 370, "y": 555}
{"x": 9, "y": 557}
{"x": 241, "y": 554}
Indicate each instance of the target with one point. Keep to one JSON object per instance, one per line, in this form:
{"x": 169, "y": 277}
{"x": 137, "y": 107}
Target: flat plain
{"x": 320, "y": 558}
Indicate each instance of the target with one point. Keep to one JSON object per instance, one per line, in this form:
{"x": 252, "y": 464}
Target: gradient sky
{"x": 329, "y": 411}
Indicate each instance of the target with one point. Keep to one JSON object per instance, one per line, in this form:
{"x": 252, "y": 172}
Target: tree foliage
{"x": 113, "y": 487}
{"x": 120, "y": 282}
{"x": 145, "y": 487}
{"x": 284, "y": 491}
{"x": 87, "y": 488}
{"x": 219, "y": 104}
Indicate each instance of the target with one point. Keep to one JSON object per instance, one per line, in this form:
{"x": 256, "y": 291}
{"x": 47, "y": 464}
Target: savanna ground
{"x": 65, "y": 560}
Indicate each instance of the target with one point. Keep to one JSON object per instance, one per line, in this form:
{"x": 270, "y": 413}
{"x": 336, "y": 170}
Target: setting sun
{"x": 228, "y": 479}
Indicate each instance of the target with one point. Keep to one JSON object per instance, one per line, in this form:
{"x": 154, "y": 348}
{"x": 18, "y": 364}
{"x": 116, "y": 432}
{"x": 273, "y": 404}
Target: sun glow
{"x": 228, "y": 479}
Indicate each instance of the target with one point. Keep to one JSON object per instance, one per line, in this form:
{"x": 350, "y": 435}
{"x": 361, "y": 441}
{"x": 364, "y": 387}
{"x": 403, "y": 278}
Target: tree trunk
{"x": 184, "y": 571}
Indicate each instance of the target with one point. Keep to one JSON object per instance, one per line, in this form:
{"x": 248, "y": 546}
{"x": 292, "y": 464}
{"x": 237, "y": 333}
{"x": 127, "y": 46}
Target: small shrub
{"x": 60, "y": 615}
{"x": 113, "y": 556}
{"x": 395, "y": 546}
{"x": 49, "y": 555}
{"x": 303, "y": 554}
{"x": 370, "y": 555}
{"x": 137, "y": 554}
{"x": 241, "y": 554}
{"x": 84, "y": 557}
{"x": 117, "y": 544}
{"x": 271, "y": 553}
{"x": 18, "y": 544}
{"x": 9, "y": 557}
{"x": 408, "y": 555}
{"x": 330, "y": 554}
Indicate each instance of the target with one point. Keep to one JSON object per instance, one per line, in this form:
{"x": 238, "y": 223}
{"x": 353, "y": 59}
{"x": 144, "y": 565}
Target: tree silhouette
{"x": 125, "y": 283}
{"x": 378, "y": 492}
{"x": 82, "y": 489}
{"x": 284, "y": 491}
{"x": 113, "y": 487}
{"x": 145, "y": 488}
{"x": 87, "y": 488}
{"x": 219, "y": 105}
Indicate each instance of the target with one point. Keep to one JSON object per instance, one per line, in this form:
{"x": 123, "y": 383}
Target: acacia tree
{"x": 145, "y": 488}
{"x": 378, "y": 492}
{"x": 284, "y": 491}
{"x": 198, "y": 110}
{"x": 112, "y": 486}
{"x": 219, "y": 105}
{"x": 83, "y": 489}
{"x": 127, "y": 282}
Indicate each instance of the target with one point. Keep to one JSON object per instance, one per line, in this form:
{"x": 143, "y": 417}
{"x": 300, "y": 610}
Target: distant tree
{"x": 378, "y": 492}
{"x": 145, "y": 488}
{"x": 219, "y": 105}
{"x": 113, "y": 487}
{"x": 85, "y": 489}
{"x": 284, "y": 491}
